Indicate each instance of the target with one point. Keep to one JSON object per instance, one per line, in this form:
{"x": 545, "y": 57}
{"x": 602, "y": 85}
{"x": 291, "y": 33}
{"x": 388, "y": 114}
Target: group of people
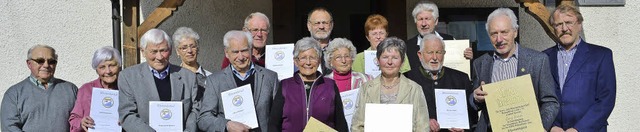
{"x": 573, "y": 93}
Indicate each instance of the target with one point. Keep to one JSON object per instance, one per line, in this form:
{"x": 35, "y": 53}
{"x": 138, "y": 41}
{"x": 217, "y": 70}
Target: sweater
{"x": 82, "y": 106}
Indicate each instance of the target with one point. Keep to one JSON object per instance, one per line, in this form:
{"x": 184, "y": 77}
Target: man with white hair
{"x": 258, "y": 25}
{"x": 40, "y": 101}
{"x": 242, "y": 71}
{"x": 425, "y": 15}
{"x": 155, "y": 80}
{"x": 508, "y": 61}
{"x": 434, "y": 75}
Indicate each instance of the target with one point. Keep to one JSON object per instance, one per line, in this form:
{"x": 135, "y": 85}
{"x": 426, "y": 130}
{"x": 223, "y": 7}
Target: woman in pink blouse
{"x": 339, "y": 57}
{"x": 106, "y": 61}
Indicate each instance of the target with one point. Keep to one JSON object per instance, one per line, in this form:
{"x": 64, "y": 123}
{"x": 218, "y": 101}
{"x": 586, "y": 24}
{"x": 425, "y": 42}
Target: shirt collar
{"x": 160, "y": 75}
{"x": 201, "y": 71}
{"x": 515, "y": 54}
{"x": 429, "y": 75}
{"x": 560, "y": 48}
{"x": 39, "y": 84}
{"x": 249, "y": 72}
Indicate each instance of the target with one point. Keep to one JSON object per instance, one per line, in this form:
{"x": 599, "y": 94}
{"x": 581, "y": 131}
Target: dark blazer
{"x": 589, "y": 92}
{"x": 212, "y": 116}
{"x": 137, "y": 88}
{"x": 529, "y": 62}
{"x": 413, "y": 48}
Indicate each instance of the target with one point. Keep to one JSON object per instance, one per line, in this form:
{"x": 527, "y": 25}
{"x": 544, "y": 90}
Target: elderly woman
{"x": 375, "y": 29}
{"x": 186, "y": 45}
{"x": 391, "y": 87}
{"x": 106, "y": 61}
{"x": 339, "y": 56}
{"x": 307, "y": 94}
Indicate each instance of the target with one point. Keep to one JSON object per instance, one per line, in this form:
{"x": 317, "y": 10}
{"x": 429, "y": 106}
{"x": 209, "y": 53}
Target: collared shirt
{"x": 564, "y": 62}
{"x": 160, "y": 75}
{"x": 39, "y": 84}
{"x": 249, "y": 72}
{"x": 505, "y": 68}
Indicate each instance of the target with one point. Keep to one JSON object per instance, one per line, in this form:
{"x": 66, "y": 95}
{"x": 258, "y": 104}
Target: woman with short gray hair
{"x": 307, "y": 94}
{"x": 339, "y": 56}
{"x": 107, "y": 62}
{"x": 391, "y": 87}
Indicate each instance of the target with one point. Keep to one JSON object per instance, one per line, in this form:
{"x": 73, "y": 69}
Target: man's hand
{"x": 456, "y": 129}
{"x": 572, "y": 130}
{"x": 479, "y": 94}
{"x": 86, "y": 123}
{"x": 556, "y": 129}
{"x": 233, "y": 126}
{"x": 434, "y": 125}
{"x": 468, "y": 53}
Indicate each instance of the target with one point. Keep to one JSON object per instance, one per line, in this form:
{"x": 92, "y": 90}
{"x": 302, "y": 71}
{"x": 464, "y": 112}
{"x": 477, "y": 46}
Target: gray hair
{"x": 503, "y": 12}
{"x": 155, "y": 37}
{"x": 55, "y": 56}
{"x": 425, "y": 6}
{"x": 392, "y": 43}
{"x": 184, "y": 33}
{"x": 319, "y": 9}
{"x": 105, "y": 54}
{"x": 336, "y": 44}
{"x": 237, "y": 35}
{"x": 430, "y": 37}
{"x": 305, "y": 44}
{"x": 256, "y": 14}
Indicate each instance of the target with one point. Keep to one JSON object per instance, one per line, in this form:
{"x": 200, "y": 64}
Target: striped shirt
{"x": 505, "y": 68}
{"x": 564, "y": 62}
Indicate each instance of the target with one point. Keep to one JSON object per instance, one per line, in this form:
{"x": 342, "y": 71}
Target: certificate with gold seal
{"x": 512, "y": 105}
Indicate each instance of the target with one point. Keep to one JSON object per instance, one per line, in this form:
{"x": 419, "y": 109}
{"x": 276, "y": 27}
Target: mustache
{"x": 562, "y": 34}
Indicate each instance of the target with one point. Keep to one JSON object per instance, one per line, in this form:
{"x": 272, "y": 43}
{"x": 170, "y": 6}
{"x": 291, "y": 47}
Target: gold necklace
{"x": 392, "y": 86}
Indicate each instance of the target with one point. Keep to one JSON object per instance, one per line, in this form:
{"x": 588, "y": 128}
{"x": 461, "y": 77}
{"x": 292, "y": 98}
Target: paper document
{"x": 388, "y": 118}
{"x": 512, "y": 105}
{"x": 238, "y": 106}
{"x": 451, "y": 108}
{"x": 349, "y": 101}
{"x": 314, "y": 125}
{"x": 454, "y": 58}
{"x": 371, "y": 66}
{"x": 279, "y": 58}
{"x": 165, "y": 116}
{"x": 104, "y": 110}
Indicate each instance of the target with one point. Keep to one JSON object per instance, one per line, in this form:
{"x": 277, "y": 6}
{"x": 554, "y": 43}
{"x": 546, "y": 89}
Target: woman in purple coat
{"x": 307, "y": 94}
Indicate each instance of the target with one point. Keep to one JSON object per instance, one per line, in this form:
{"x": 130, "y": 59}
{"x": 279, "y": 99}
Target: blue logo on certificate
{"x": 451, "y": 101}
{"x": 165, "y": 114}
{"x": 279, "y": 55}
{"x": 347, "y": 103}
{"x": 237, "y": 100}
{"x": 107, "y": 102}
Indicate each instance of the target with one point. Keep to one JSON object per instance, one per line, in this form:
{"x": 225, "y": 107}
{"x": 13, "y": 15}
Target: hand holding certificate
{"x": 104, "y": 110}
{"x": 512, "y": 105}
{"x": 451, "y": 108}
{"x": 238, "y": 106}
{"x": 165, "y": 116}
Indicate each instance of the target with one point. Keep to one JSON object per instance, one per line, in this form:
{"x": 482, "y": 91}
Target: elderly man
{"x": 155, "y": 80}
{"x": 585, "y": 75}
{"x": 433, "y": 75}
{"x": 425, "y": 15}
{"x": 508, "y": 61}
{"x": 186, "y": 44}
{"x": 40, "y": 101}
{"x": 258, "y": 24}
{"x": 237, "y": 47}
{"x": 320, "y": 24}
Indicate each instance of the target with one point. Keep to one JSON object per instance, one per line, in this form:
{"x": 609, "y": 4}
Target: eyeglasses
{"x": 308, "y": 58}
{"x": 41, "y": 61}
{"x": 435, "y": 52}
{"x": 257, "y": 30}
{"x": 185, "y": 47}
{"x": 381, "y": 33}
{"x": 567, "y": 24}
{"x": 317, "y": 23}
{"x": 344, "y": 57}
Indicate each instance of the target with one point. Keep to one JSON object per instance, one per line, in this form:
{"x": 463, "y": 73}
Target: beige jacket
{"x": 409, "y": 93}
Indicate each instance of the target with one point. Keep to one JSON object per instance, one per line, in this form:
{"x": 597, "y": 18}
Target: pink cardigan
{"x": 83, "y": 105}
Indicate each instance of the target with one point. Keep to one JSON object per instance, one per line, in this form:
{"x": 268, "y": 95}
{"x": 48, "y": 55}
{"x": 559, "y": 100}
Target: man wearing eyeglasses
{"x": 434, "y": 75}
{"x": 41, "y": 101}
{"x": 320, "y": 24}
{"x": 584, "y": 73}
{"x": 258, "y": 25}
{"x": 237, "y": 47}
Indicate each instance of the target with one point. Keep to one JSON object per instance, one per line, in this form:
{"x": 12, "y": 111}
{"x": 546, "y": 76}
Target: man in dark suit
{"x": 586, "y": 88}
{"x": 434, "y": 75}
{"x": 508, "y": 61}
{"x": 240, "y": 72}
{"x": 425, "y": 15}
{"x": 155, "y": 80}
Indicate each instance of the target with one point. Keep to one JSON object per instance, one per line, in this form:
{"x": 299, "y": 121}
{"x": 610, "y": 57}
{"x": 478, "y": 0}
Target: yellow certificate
{"x": 512, "y": 105}
{"x": 314, "y": 125}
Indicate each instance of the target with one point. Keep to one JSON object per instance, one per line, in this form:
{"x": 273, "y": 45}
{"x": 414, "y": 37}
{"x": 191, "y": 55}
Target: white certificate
{"x": 238, "y": 106}
{"x": 451, "y": 108}
{"x": 349, "y": 101}
{"x": 388, "y": 118}
{"x": 279, "y": 58}
{"x": 104, "y": 110}
{"x": 165, "y": 116}
{"x": 371, "y": 63}
{"x": 454, "y": 58}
